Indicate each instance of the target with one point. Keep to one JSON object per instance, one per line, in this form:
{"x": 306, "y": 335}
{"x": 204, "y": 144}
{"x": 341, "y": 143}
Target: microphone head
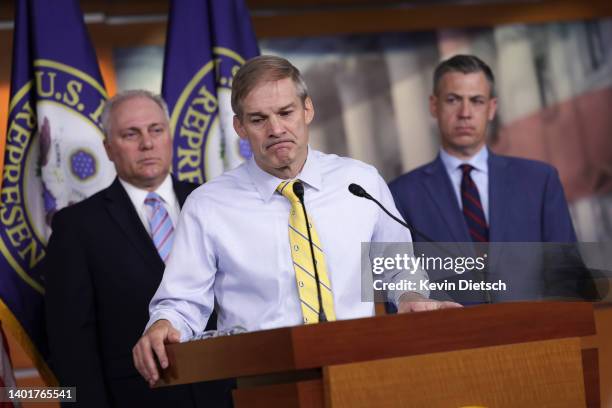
{"x": 298, "y": 189}
{"x": 357, "y": 190}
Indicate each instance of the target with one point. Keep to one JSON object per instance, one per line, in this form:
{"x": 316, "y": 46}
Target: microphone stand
{"x": 298, "y": 189}
{"x": 359, "y": 191}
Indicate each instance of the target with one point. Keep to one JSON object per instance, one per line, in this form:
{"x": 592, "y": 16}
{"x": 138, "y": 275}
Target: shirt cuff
{"x": 394, "y": 295}
{"x": 176, "y": 322}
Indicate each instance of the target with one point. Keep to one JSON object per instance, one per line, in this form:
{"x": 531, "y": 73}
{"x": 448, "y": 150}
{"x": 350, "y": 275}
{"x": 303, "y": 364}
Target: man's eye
{"x": 286, "y": 113}
{"x": 128, "y": 135}
{"x": 158, "y": 130}
{"x": 256, "y": 120}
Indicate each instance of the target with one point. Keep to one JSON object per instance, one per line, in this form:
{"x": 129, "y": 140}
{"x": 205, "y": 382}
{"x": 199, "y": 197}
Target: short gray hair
{"x": 123, "y": 96}
{"x": 264, "y": 68}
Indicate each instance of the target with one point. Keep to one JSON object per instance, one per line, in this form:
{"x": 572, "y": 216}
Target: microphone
{"x": 359, "y": 191}
{"x": 298, "y": 190}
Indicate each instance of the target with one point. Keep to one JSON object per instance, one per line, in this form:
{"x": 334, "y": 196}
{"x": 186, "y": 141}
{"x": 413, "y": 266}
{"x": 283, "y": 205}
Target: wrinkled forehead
{"x": 270, "y": 95}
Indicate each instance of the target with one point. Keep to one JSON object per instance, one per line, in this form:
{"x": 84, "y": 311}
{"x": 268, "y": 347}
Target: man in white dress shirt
{"x": 231, "y": 244}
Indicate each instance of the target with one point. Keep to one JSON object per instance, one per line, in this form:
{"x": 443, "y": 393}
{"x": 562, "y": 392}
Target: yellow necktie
{"x": 302, "y": 261}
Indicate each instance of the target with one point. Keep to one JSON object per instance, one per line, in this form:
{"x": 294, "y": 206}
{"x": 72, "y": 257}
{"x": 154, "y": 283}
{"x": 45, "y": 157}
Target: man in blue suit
{"x": 469, "y": 194}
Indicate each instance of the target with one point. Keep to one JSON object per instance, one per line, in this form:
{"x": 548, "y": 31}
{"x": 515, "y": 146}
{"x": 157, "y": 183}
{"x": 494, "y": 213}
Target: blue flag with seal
{"x": 53, "y": 157}
{"x": 207, "y": 42}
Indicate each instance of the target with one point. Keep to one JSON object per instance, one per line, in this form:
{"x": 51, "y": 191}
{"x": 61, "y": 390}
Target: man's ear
{"x": 492, "y": 108}
{"x": 433, "y": 106}
{"x": 309, "y": 110}
{"x": 239, "y": 128}
{"x": 108, "y": 148}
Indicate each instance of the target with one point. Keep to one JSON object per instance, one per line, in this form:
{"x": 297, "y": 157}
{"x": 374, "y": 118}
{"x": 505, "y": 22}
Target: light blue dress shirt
{"x": 480, "y": 175}
{"x": 231, "y": 246}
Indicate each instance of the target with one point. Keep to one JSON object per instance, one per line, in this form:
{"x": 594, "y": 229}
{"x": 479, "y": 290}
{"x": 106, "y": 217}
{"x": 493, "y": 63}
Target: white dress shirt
{"x": 232, "y": 246}
{"x": 480, "y": 175}
{"x": 165, "y": 191}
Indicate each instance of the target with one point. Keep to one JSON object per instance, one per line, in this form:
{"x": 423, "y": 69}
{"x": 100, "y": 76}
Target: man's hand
{"x": 154, "y": 340}
{"x": 415, "y": 302}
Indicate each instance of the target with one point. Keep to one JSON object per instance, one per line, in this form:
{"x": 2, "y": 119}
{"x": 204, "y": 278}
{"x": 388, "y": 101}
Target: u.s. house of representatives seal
{"x": 54, "y": 157}
{"x": 201, "y": 121}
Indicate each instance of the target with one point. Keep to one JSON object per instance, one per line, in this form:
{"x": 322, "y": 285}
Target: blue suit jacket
{"x": 526, "y": 204}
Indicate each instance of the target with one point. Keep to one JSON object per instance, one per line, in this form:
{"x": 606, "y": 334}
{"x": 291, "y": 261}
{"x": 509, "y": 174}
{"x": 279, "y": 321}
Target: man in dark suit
{"x": 469, "y": 194}
{"x": 106, "y": 259}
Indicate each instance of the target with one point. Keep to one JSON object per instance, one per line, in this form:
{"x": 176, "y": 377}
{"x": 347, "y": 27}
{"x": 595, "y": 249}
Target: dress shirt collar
{"x": 478, "y": 161}
{"x": 266, "y": 184}
{"x": 138, "y": 195}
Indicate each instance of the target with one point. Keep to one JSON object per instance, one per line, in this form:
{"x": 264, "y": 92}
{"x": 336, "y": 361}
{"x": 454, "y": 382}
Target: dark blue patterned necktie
{"x": 472, "y": 207}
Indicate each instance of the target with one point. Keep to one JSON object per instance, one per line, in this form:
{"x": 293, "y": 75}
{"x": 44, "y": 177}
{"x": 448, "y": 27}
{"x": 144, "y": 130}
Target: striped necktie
{"x": 472, "y": 207}
{"x": 160, "y": 224}
{"x": 302, "y": 261}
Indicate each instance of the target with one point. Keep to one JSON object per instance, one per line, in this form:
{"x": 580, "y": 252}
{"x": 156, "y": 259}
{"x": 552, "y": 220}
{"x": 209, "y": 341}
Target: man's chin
{"x": 467, "y": 142}
{"x": 154, "y": 177}
{"x": 279, "y": 163}
{"x": 465, "y": 138}
{"x": 284, "y": 156}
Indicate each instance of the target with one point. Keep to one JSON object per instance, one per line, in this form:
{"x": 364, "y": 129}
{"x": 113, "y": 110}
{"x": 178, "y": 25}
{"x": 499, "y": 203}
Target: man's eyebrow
{"x": 291, "y": 105}
{"x": 456, "y": 95}
{"x": 282, "y": 108}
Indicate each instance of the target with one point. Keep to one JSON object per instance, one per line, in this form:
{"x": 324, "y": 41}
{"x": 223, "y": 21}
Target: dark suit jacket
{"x": 102, "y": 270}
{"x": 526, "y": 204}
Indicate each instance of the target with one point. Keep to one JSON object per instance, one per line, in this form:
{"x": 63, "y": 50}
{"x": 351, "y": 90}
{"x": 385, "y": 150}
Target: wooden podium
{"x": 503, "y": 355}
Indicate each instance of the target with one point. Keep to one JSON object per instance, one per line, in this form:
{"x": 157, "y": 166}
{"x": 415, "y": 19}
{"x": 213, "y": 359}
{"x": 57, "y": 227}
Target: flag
{"x": 7, "y": 378}
{"x": 53, "y": 156}
{"x": 207, "y": 42}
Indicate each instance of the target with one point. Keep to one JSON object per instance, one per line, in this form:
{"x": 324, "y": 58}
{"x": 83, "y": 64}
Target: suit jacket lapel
{"x": 182, "y": 190}
{"x": 122, "y": 211}
{"x": 498, "y": 197}
{"x": 439, "y": 186}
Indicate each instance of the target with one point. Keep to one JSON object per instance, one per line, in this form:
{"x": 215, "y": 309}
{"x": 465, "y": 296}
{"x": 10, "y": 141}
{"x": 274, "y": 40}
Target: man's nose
{"x": 146, "y": 141}
{"x": 275, "y": 126}
{"x": 465, "y": 111}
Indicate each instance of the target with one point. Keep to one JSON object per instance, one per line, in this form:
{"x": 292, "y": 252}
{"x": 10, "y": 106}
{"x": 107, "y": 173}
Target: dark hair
{"x": 261, "y": 69}
{"x": 466, "y": 64}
